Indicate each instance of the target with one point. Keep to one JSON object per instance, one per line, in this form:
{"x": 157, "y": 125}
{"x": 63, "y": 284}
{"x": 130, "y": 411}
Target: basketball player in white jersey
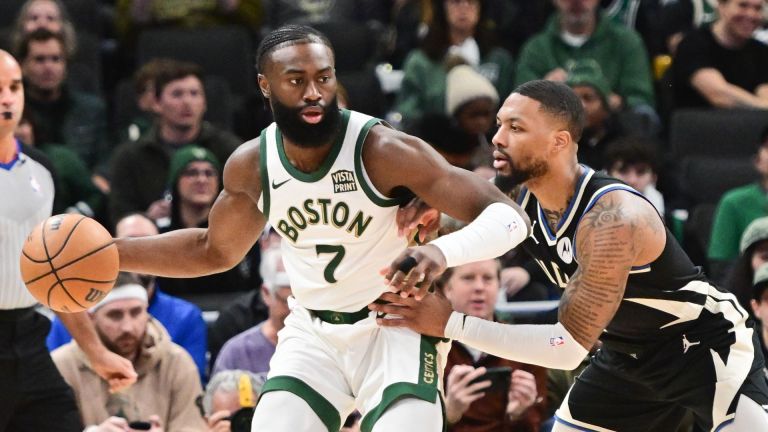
{"x": 33, "y": 395}
{"x": 330, "y": 182}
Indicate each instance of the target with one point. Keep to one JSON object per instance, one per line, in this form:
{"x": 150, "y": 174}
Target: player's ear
{"x": 562, "y": 139}
{"x": 264, "y": 86}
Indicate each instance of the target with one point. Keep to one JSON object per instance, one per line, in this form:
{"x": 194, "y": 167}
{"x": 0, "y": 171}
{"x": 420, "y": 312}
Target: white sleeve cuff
{"x": 547, "y": 345}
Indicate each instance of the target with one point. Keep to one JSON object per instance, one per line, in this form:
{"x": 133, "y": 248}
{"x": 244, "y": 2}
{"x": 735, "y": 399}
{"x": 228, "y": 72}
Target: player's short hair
{"x": 287, "y": 35}
{"x": 173, "y": 70}
{"x": 557, "y": 100}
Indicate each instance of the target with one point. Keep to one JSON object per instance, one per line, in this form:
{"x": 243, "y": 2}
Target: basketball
{"x": 69, "y": 262}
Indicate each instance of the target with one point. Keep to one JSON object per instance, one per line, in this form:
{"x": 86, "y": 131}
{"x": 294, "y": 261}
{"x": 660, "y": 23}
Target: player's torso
{"x": 26, "y": 188}
{"x": 338, "y": 230}
{"x": 651, "y": 288}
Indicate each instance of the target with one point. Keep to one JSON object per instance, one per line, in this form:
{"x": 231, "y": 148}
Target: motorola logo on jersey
{"x": 565, "y": 250}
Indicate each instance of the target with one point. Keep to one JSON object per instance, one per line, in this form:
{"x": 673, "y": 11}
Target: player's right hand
{"x": 116, "y": 370}
{"x": 414, "y": 270}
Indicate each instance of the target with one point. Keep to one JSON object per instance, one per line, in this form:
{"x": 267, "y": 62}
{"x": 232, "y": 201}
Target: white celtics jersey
{"x": 338, "y": 230}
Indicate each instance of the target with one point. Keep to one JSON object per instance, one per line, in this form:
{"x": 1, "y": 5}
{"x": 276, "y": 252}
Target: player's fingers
{"x": 424, "y": 286}
{"x": 388, "y": 297}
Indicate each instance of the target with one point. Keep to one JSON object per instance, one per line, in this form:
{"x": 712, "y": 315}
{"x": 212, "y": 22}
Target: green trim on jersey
{"x": 320, "y": 405}
{"x": 367, "y": 188}
{"x": 425, "y": 389}
{"x": 319, "y": 173}
{"x": 263, "y": 173}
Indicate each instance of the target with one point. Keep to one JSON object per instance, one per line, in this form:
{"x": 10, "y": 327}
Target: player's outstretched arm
{"x": 234, "y": 225}
{"x": 620, "y": 231}
{"x": 396, "y": 160}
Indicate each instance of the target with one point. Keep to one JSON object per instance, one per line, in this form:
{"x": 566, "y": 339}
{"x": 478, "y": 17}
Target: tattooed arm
{"x": 620, "y": 231}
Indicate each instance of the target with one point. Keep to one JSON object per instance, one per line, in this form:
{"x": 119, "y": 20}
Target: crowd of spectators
{"x": 139, "y": 129}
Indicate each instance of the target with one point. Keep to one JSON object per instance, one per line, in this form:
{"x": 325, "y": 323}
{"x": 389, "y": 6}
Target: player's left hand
{"x": 412, "y": 272}
{"x": 116, "y": 370}
{"x": 522, "y": 393}
{"x": 427, "y": 316}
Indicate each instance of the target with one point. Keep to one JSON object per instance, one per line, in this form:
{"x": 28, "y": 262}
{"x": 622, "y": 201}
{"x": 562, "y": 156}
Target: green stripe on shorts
{"x": 425, "y": 389}
{"x": 320, "y": 405}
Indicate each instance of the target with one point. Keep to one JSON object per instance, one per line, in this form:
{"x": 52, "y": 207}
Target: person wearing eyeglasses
{"x": 194, "y": 182}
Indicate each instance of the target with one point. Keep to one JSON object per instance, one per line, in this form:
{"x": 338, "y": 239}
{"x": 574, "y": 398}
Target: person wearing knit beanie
{"x": 194, "y": 181}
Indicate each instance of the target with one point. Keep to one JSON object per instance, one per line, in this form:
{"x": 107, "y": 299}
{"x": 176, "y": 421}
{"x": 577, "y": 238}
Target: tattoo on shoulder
{"x": 606, "y": 250}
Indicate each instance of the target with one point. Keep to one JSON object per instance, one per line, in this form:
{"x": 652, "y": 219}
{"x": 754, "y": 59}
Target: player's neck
{"x": 555, "y": 189}
{"x": 7, "y": 148}
{"x": 306, "y": 159}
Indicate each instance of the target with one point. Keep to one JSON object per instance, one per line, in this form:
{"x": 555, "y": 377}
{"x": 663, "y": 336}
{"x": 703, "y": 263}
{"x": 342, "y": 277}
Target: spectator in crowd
{"x": 279, "y": 12}
{"x": 602, "y": 126}
{"x": 736, "y": 209}
{"x": 722, "y": 65}
{"x": 352, "y": 424}
{"x": 75, "y": 192}
{"x": 579, "y": 36}
{"x": 678, "y": 18}
{"x": 195, "y": 181}
{"x": 458, "y": 31}
{"x": 473, "y": 289}
{"x": 65, "y": 116}
{"x": 167, "y": 386}
{"x": 634, "y": 161}
{"x": 639, "y": 15}
{"x": 460, "y": 133}
{"x": 182, "y": 320}
{"x": 48, "y": 14}
{"x": 753, "y": 253}
{"x": 133, "y": 16}
{"x": 140, "y": 169}
{"x": 144, "y": 87}
{"x": 759, "y": 305}
{"x": 228, "y": 392}
{"x": 252, "y": 349}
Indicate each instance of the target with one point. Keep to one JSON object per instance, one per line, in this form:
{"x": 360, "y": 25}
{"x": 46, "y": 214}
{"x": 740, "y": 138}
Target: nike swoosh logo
{"x": 277, "y": 185}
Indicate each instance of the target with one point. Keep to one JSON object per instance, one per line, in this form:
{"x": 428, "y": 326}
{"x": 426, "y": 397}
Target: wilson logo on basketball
{"x": 94, "y": 295}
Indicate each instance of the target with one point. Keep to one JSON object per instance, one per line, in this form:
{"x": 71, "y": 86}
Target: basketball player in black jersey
{"x": 671, "y": 341}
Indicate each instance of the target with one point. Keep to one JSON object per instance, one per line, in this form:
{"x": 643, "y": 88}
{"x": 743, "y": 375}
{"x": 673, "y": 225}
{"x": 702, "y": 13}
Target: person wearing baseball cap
{"x": 759, "y": 305}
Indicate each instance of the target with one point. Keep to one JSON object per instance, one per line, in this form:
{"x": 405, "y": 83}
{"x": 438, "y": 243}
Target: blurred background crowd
{"x": 139, "y": 103}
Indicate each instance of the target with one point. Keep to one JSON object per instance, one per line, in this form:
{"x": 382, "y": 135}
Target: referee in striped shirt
{"x": 33, "y": 395}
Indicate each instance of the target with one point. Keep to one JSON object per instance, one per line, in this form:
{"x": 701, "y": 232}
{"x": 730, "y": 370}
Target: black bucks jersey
{"x": 662, "y": 297}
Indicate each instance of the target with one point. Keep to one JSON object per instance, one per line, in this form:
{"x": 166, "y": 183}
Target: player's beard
{"x": 522, "y": 172}
{"x": 304, "y": 134}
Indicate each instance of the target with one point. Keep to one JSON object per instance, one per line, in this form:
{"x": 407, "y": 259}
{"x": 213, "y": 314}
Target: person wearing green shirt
{"x": 579, "y": 36}
{"x": 735, "y": 211}
{"x": 456, "y": 35}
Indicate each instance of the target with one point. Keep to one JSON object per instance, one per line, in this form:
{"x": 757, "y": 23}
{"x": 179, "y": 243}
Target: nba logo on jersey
{"x": 565, "y": 250}
{"x": 35, "y": 184}
{"x": 556, "y": 341}
{"x": 343, "y": 181}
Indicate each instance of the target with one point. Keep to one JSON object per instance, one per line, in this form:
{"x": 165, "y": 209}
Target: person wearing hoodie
{"x": 168, "y": 384}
